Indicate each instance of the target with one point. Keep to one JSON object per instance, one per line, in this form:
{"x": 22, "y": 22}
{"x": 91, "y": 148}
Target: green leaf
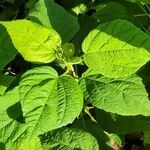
{"x": 141, "y": 1}
{"x": 69, "y": 139}
{"x": 94, "y": 129}
{"x": 116, "y": 48}
{"x": 68, "y": 50}
{"x": 69, "y": 54}
{"x": 110, "y": 11}
{"x": 125, "y": 95}
{"x": 6, "y": 101}
{"x": 7, "y": 124}
{"x": 7, "y": 49}
{"x": 50, "y": 14}
{"x": 49, "y": 101}
{"x": 147, "y": 137}
{"x": 114, "y": 140}
{"x": 5, "y": 81}
{"x": 121, "y": 125}
{"x": 34, "y": 42}
{"x": 24, "y": 144}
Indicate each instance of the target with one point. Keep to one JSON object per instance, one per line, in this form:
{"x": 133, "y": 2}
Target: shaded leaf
{"x": 7, "y": 49}
{"x": 110, "y": 11}
{"x": 5, "y": 81}
{"x": 114, "y": 123}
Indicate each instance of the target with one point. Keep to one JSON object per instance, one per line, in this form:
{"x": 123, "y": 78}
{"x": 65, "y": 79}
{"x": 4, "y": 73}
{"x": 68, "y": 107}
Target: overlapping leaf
{"x": 7, "y": 49}
{"x": 69, "y": 139}
{"x": 34, "y": 42}
{"x": 125, "y": 96}
{"x": 5, "y": 81}
{"x": 116, "y": 48}
{"x": 122, "y": 124}
{"x": 7, "y": 124}
{"x": 50, "y": 14}
{"x": 110, "y": 11}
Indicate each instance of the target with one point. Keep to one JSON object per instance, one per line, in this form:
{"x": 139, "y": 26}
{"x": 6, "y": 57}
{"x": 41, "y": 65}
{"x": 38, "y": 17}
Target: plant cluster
{"x": 74, "y": 74}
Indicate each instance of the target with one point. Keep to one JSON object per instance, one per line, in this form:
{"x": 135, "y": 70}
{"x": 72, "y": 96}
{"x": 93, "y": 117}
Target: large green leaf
{"x": 50, "y": 14}
{"x": 116, "y": 48}
{"x": 69, "y": 139}
{"x": 125, "y": 95}
{"x": 49, "y": 101}
{"x": 34, "y": 42}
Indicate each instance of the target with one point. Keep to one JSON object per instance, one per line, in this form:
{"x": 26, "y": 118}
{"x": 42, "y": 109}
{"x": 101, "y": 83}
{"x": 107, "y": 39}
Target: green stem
{"x": 87, "y": 111}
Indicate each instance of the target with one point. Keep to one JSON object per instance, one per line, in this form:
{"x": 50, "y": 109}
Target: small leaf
{"x": 69, "y": 139}
{"x": 34, "y": 42}
{"x": 50, "y": 14}
{"x": 49, "y": 101}
{"x": 116, "y": 48}
{"x": 125, "y": 95}
{"x": 68, "y": 50}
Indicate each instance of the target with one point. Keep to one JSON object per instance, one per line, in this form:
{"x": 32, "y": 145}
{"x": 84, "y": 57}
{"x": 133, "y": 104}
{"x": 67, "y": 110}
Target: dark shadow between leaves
{"x": 2, "y": 146}
{"x": 144, "y": 73}
{"x": 15, "y": 112}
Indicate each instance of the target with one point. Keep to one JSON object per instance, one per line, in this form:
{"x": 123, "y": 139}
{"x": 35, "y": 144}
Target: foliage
{"x": 74, "y": 74}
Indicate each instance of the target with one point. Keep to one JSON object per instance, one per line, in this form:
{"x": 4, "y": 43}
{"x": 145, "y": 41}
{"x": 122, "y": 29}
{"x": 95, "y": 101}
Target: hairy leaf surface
{"x": 69, "y": 139}
{"x": 116, "y": 48}
{"x": 125, "y": 95}
{"x": 24, "y": 144}
{"x": 49, "y": 101}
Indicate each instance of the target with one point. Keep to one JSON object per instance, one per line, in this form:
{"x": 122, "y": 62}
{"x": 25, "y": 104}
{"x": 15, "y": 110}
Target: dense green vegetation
{"x": 74, "y": 74}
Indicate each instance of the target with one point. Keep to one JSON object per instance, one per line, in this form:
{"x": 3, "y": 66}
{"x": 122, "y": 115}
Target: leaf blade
{"x": 64, "y": 23}
{"x": 58, "y": 102}
{"x": 118, "y": 48}
{"x": 34, "y": 42}
{"x": 125, "y": 96}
